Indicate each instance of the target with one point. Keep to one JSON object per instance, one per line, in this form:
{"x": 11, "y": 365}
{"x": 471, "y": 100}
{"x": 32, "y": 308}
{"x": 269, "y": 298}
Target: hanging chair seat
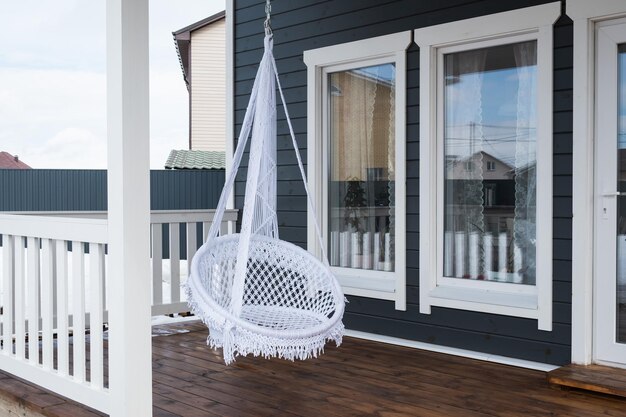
{"x": 256, "y": 293}
{"x": 290, "y": 299}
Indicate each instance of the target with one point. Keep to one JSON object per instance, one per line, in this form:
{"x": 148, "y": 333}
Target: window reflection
{"x": 361, "y": 170}
{"x": 490, "y": 163}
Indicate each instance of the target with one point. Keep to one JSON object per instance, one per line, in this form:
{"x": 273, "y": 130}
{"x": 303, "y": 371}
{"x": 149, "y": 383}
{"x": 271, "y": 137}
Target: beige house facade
{"x": 202, "y": 53}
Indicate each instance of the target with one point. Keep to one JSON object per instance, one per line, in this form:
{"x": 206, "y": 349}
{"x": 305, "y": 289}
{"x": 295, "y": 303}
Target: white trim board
{"x": 230, "y": 97}
{"x": 520, "y": 363}
{"x": 585, "y": 14}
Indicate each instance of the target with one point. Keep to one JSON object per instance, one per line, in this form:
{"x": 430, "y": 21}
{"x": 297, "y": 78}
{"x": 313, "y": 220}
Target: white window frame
{"x": 320, "y": 62}
{"x": 531, "y": 23}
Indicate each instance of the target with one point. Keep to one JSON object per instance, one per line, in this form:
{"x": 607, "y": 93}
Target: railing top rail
{"x": 156, "y": 216}
{"x": 59, "y": 228}
{"x": 90, "y": 226}
{"x": 184, "y": 216}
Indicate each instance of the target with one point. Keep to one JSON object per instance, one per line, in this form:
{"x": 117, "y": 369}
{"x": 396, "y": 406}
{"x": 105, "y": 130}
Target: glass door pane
{"x": 610, "y": 189}
{"x": 621, "y": 199}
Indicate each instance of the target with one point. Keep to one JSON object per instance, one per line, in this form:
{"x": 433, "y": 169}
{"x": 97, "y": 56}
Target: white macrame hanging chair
{"x": 258, "y": 294}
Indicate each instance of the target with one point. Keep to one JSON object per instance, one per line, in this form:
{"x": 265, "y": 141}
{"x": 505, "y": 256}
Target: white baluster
{"x": 192, "y": 242}
{"x": 448, "y": 253}
{"x": 367, "y": 250}
{"x": 459, "y": 254}
{"x": 8, "y": 258}
{"x": 174, "y": 262}
{"x": 96, "y": 309}
{"x": 502, "y": 256}
{"x": 47, "y": 303}
{"x": 62, "y": 310}
{"x": 78, "y": 310}
{"x": 377, "y": 264}
{"x": 32, "y": 306}
{"x": 517, "y": 264}
{"x": 473, "y": 255}
{"x": 355, "y": 250}
{"x": 488, "y": 245}
{"x": 20, "y": 301}
{"x": 157, "y": 263}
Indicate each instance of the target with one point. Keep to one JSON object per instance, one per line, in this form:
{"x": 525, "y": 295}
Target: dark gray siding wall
{"x": 86, "y": 190}
{"x": 308, "y": 24}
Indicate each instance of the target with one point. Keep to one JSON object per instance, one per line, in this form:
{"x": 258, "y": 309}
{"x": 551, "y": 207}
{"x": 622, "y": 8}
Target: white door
{"x": 610, "y": 195}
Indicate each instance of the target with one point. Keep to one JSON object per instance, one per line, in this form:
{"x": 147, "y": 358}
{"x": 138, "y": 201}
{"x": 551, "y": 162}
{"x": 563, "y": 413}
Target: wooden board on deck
{"x": 596, "y": 378}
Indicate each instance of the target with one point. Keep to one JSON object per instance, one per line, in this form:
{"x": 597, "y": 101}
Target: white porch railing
{"x": 167, "y": 276}
{"x": 44, "y": 298}
{"x": 54, "y": 297}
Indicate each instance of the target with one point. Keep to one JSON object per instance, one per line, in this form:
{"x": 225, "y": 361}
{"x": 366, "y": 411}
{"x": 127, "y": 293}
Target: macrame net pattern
{"x": 256, "y": 293}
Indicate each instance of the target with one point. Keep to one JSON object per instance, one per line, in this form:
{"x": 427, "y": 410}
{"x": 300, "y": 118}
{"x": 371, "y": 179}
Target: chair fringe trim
{"x": 237, "y": 341}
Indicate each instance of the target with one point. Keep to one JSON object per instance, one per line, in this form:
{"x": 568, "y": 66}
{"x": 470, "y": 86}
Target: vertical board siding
{"x": 309, "y": 24}
{"x": 86, "y": 190}
{"x": 208, "y": 95}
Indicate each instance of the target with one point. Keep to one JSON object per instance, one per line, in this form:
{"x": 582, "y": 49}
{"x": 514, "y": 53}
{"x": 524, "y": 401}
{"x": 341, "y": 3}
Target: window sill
{"x": 504, "y": 303}
{"x": 382, "y": 285}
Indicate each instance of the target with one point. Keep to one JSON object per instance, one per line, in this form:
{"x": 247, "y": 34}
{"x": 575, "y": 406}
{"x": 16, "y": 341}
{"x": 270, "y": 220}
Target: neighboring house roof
{"x": 455, "y": 161}
{"x": 182, "y": 39}
{"x": 8, "y": 161}
{"x": 188, "y": 159}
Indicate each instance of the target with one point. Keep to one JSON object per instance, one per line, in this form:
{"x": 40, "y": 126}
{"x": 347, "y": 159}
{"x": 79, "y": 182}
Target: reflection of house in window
{"x": 498, "y": 185}
{"x": 492, "y": 167}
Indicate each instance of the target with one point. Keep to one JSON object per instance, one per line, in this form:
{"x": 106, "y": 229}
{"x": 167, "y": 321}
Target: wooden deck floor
{"x": 361, "y": 378}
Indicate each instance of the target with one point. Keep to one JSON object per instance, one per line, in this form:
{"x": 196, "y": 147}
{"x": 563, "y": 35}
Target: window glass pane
{"x": 490, "y": 163}
{"x": 621, "y": 200}
{"x": 361, "y": 153}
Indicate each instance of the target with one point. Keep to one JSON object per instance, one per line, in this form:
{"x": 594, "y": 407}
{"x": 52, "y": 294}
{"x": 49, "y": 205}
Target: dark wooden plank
{"x": 28, "y": 393}
{"x": 69, "y": 409}
{"x": 594, "y": 378}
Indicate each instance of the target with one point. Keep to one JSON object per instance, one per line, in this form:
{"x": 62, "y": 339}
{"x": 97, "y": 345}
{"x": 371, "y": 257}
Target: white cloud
{"x": 53, "y": 34}
{"x": 71, "y": 147}
{"x": 53, "y": 80}
{"x": 37, "y": 105}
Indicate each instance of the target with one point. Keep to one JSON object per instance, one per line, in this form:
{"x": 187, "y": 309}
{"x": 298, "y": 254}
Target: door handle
{"x": 605, "y": 211}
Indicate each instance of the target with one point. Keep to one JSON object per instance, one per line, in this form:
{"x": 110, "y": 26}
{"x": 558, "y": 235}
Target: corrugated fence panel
{"x": 309, "y": 24}
{"x": 86, "y": 190}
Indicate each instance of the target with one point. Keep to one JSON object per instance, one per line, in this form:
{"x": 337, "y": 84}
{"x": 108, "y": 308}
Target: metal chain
{"x": 266, "y": 24}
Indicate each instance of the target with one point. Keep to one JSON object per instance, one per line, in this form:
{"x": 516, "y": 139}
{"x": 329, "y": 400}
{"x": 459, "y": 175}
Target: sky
{"x": 53, "y": 80}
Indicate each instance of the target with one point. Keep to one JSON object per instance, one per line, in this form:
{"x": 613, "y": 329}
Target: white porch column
{"x": 130, "y": 350}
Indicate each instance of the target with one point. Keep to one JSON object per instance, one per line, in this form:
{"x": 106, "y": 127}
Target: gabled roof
{"x": 8, "y": 161}
{"x": 192, "y": 159}
{"x": 455, "y": 161}
{"x": 182, "y": 39}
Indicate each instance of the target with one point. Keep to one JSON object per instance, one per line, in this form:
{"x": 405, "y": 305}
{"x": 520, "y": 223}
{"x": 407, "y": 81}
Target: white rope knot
{"x": 268, "y": 42}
